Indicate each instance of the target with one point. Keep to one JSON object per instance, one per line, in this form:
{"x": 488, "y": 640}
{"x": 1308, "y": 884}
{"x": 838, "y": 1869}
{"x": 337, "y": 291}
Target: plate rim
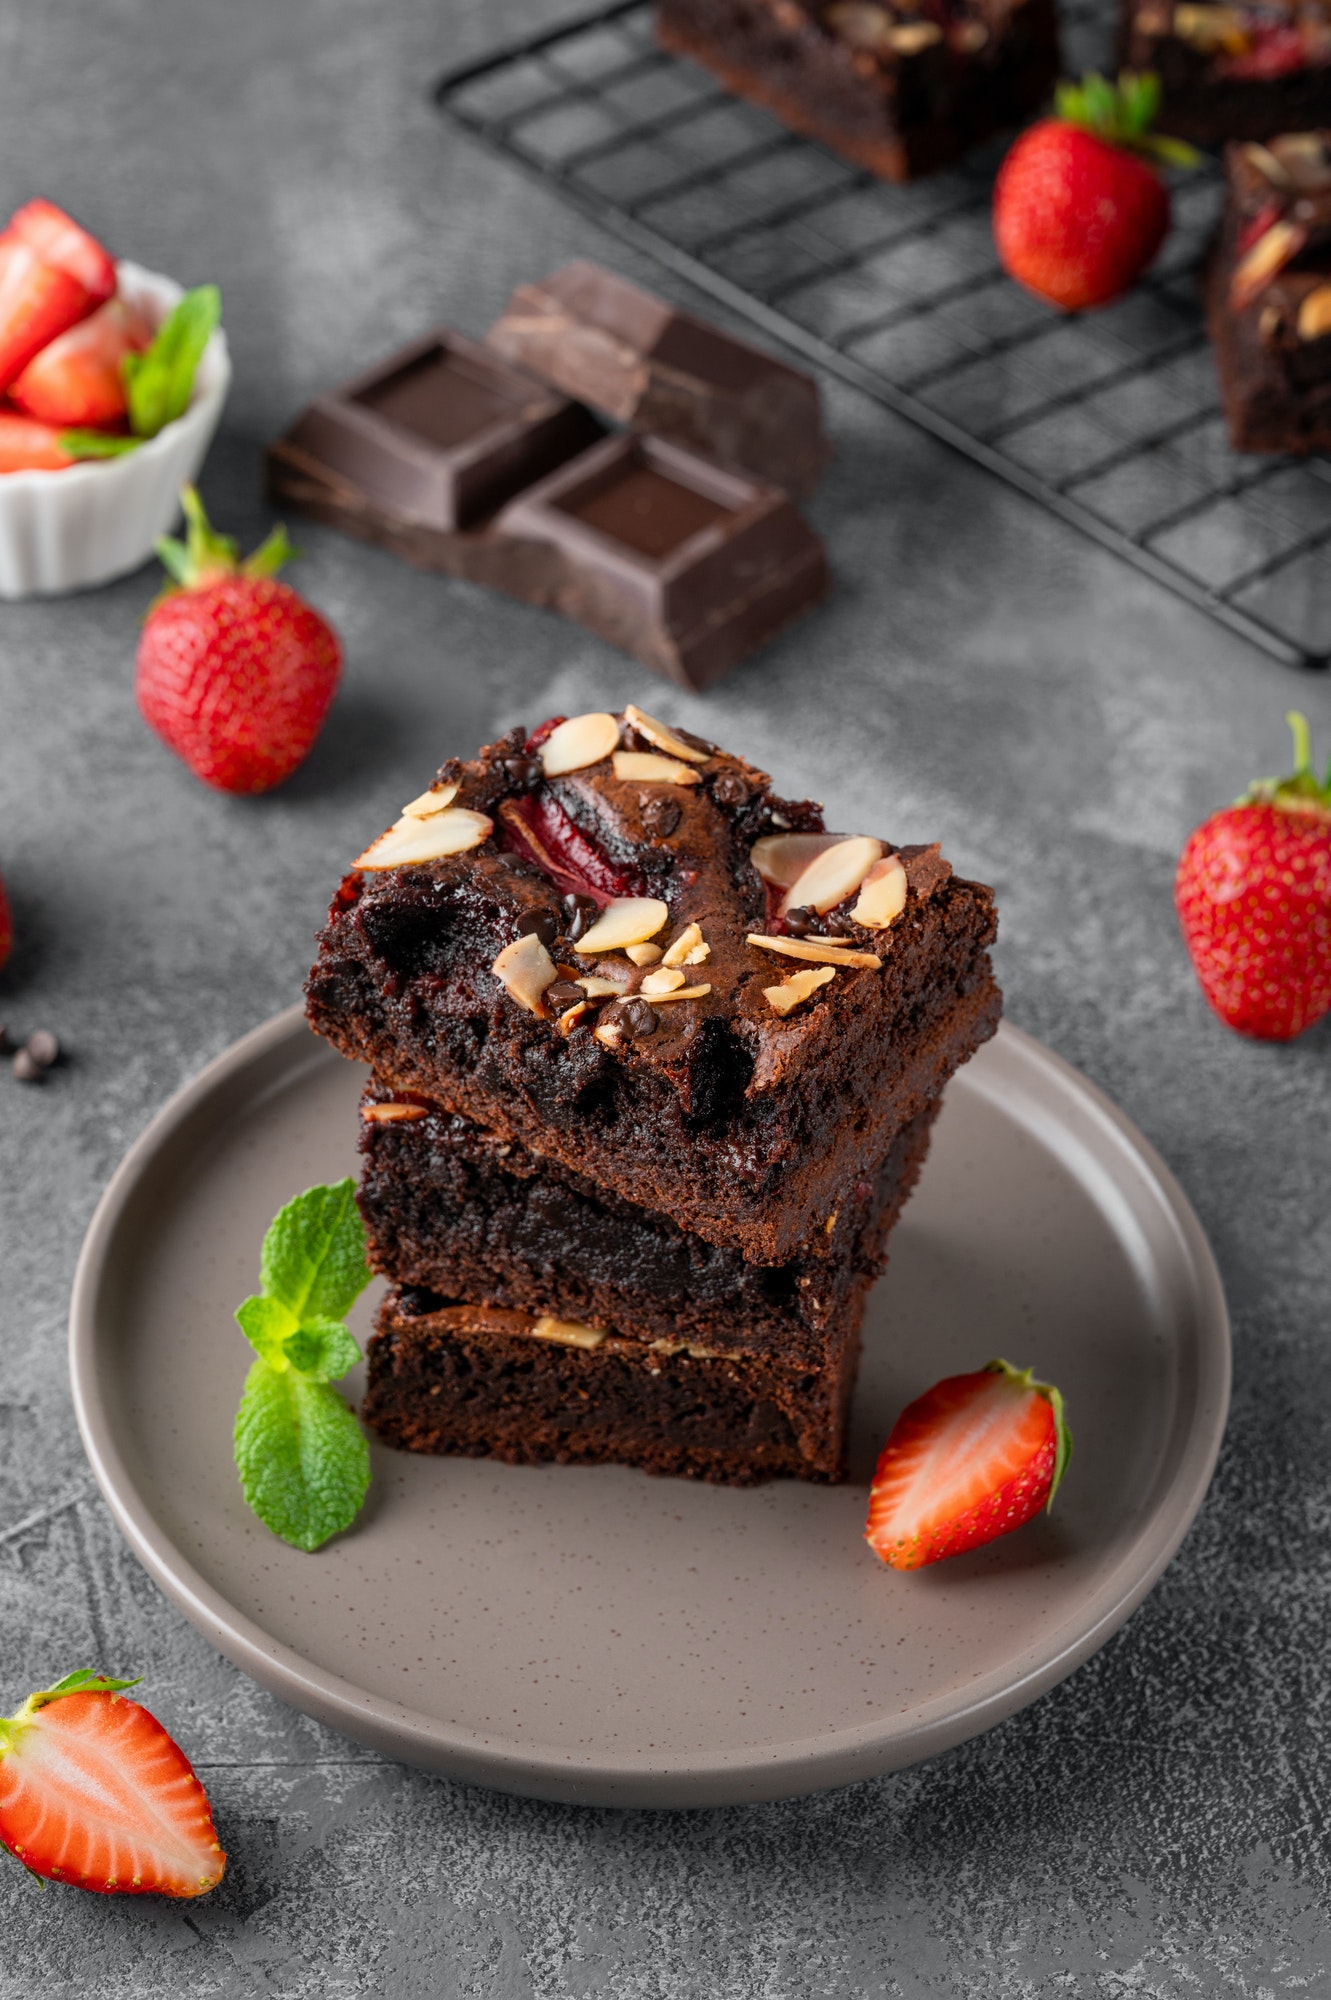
{"x": 720, "y": 1777}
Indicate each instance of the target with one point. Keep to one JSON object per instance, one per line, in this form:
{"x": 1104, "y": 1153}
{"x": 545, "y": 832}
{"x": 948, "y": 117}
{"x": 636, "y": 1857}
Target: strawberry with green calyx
{"x": 235, "y": 672}
{"x": 1079, "y": 208}
{"x": 1253, "y": 894}
{"x": 95, "y": 1793}
{"x": 975, "y": 1457}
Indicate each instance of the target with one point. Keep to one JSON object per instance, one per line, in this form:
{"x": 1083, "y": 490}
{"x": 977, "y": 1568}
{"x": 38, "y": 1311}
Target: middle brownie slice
{"x": 472, "y": 1217}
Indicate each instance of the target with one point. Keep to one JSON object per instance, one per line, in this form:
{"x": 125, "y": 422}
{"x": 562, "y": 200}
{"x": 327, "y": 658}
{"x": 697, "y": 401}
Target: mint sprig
{"x": 303, "y": 1461}
{"x": 160, "y": 381}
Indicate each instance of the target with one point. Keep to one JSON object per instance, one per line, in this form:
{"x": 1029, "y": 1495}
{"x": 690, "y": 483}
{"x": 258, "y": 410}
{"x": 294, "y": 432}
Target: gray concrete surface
{"x": 1157, "y": 1825}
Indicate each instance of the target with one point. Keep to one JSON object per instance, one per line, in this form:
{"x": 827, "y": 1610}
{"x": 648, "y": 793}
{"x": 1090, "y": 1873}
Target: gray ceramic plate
{"x": 596, "y": 1635}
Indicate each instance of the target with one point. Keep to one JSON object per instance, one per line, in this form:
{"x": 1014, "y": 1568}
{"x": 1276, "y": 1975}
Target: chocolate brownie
{"x": 1269, "y": 294}
{"x": 449, "y": 1207}
{"x": 1232, "y": 72}
{"x": 478, "y": 1381}
{"x": 612, "y": 943}
{"x": 900, "y": 88}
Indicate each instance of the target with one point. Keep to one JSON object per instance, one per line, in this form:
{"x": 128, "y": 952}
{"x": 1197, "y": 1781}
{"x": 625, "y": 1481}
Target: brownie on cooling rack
{"x": 901, "y": 88}
{"x": 1269, "y": 294}
{"x": 1232, "y": 72}
{"x": 611, "y": 942}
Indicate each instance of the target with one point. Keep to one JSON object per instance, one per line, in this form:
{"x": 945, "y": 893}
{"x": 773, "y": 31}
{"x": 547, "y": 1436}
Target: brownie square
{"x": 482, "y": 1382}
{"x": 450, "y": 1208}
{"x": 896, "y": 89}
{"x": 1232, "y": 72}
{"x": 566, "y": 956}
{"x": 1268, "y": 302}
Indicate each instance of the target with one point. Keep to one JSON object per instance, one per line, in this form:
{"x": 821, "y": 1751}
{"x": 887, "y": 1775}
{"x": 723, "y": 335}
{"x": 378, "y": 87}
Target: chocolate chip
{"x": 43, "y": 1047}
{"x": 563, "y": 994}
{"x": 580, "y": 913}
{"x": 698, "y": 743}
{"x": 660, "y": 816}
{"x": 544, "y": 923}
{"x": 842, "y": 923}
{"x": 27, "y": 1068}
{"x": 525, "y": 772}
{"x": 730, "y": 789}
{"x": 801, "y": 920}
{"x": 639, "y": 1016}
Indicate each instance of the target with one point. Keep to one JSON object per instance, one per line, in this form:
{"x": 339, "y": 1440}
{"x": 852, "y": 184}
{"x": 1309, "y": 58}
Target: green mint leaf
{"x": 314, "y": 1254}
{"x": 160, "y": 382}
{"x": 266, "y": 1323}
{"x": 97, "y": 444}
{"x": 303, "y": 1461}
{"x": 322, "y": 1349}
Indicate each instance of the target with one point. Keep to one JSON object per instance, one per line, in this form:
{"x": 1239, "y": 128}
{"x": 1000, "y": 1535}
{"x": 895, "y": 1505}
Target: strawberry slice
{"x": 93, "y": 1791}
{"x": 59, "y": 242}
{"x": 26, "y": 446}
{"x": 37, "y": 303}
{"x": 77, "y": 380}
{"x": 973, "y": 1458}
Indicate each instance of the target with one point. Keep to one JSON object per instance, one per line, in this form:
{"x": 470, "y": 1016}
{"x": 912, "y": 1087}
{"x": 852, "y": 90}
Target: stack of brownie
{"x": 655, "y": 1060}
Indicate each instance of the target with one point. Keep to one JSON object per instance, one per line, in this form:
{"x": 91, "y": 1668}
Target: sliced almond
{"x": 526, "y": 969}
{"x": 833, "y": 875}
{"x": 568, "y": 1332}
{"x": 1315, "y": 314}
{"x": 599, "y": 989}
{"x": 688, "y": 1347}
{"x": 1267, "y": 164}
{"x": 430, "y": 803}
{"x": 582, "y": 740}
{"x": 913, "y": 37}
{"x": 643, "y": 954}
{"x": 781, "y": 858}
{"x": 392, "y": 1114}
{"x": 681, "y": 993}
{"x": 664, "y": 980}
{"x": 1268, "y": 255}
{"x": 645, "y": 767}
{"x": 572, "y": 1017}
{"x": 793, "y": 992}
{"x": 818, "y": 951}
{"x": 664, "y": 738}
{"x": 411, "y": 840}
{"x": 610, "y": 1034}
{"x": 625, "y": 920}
{"x": 882, "y": 894}
{"x": 1303, "y": 158}
{"x": 688, "y": 940}
{"x": 860, "y": 23}
{"x": 1210, "y": 28}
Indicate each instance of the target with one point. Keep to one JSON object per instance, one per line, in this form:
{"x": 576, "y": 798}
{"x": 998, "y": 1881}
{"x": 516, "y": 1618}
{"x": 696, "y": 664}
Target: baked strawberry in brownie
{"x": 612, "y": 943}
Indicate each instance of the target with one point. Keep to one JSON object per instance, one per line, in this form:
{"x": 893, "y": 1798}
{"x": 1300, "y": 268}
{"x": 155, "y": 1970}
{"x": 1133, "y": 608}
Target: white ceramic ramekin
{"x": 67, "y": 530}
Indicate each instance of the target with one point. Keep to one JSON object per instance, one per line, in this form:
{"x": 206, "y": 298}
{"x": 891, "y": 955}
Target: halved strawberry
{"x": 77, "y": 380}
{"x": 60, "y": 242}
{"x": 27, "y": 446}
{"x": 37, "y": 303}
{"x": 93, "y": 1791}
{"x": 973, "y": 1458}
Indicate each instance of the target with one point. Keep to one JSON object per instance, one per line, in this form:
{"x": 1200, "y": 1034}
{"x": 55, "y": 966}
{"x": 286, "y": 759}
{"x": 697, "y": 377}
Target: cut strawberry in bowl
{"x": 77, "y": 382}
{"x": 28, "y": 446}
{"x": 37, "y": 304}
{"x": 60, "y": 242}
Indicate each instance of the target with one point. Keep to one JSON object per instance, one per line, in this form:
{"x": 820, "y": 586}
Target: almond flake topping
{"x": 781, "y": 858}
{"x": 392, "y": 1114}
{"x": 793, "y": 992}
{"x": 430, "y": 803}
{"x": 598, "y": 989}
{"x": 882, "y": 895}
{"x": 645, "y": 767}
{"x": 411, "y": 839}
{"x": 643, "y": 954}
{"x": 1267, "y": 257}
{"x": 526, "y": 969}
{"x": 568, "y": 1332}
{"x": 1315, "y": 314}
{"x": 833, "y": 875}
{"x": 688, "y": 940}
{"x": 625, "y": 920}
{"x": 664, "y": 980}
{"x": 821, "y": 951}
{"x": 681, "y": 993}
{"x": 664, "y": 738}
{"x": 582, "y": 740}
{"x": 571, "y": 1017}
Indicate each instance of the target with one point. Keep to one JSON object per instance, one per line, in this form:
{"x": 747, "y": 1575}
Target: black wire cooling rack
{"x": 1111, "y": 420}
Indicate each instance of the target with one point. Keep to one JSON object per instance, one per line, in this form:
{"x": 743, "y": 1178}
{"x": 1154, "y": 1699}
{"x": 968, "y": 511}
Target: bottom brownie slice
{"x": 482, "y": 1382}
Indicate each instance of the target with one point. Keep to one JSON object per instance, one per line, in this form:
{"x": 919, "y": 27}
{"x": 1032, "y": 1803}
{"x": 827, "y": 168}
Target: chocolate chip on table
{"x": 801, "y": 920}
{"x": 43, "y": 1047}
{"x": 580, "y": 913}
{"x": 730, "y": 789}
{"x": 525, "y": 772}
{"x": 27, "y": 1068}
{"x": 543, "y": 923}
{"x": 660, "y": 816}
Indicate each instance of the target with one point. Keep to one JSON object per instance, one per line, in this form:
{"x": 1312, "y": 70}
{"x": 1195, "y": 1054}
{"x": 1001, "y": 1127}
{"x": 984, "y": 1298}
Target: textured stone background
{"x": 1157, "y": 1825}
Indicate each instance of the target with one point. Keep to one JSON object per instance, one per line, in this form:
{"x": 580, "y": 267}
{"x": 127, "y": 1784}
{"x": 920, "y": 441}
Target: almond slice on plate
{"x": 817, "y": 950}
{"x": 664, "y": 738}
{"x": 833, "y": 875}
{"x": 646, "y": 767}
{"x": 409, "y": 840}
{"x": 624, "y": 920}
{"x": 582, "y": 740}
{"x": 526, "y": 969}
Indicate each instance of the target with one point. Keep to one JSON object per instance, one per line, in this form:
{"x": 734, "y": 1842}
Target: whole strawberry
{"x": 1253, "y": 893}
{"x": 1078, "y": 211}
{"x": 235, "y": 672}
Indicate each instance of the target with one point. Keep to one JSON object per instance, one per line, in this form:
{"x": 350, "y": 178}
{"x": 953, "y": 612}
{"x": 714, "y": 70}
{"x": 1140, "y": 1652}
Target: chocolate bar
{"x": 444, "y": 432}
{"x": 645, "y": 363}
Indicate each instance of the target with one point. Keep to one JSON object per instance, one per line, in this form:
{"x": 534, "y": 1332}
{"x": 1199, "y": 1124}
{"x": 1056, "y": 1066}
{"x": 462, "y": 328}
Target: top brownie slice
{"x": 610, "y": 941}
